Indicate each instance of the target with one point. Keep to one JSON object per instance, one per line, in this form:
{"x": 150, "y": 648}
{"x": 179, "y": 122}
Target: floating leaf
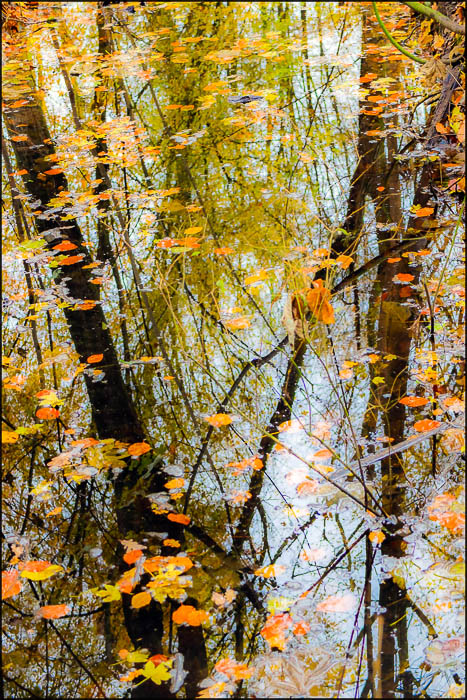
{"x": 275, "y": 628}
{"x": 187, "y": 614}
{"x": 138, "y": 448}
{"x": 132, "y": 556}
{"x": 47, "y": 413}
{"x": 414, "y": 401}
{"x": 403, "y": 277}
{"x": 53, "y": 612}
{"x": 109, "y": 593}
{"x": 92, "y": 359}
{"x": 233, "y": 670}
{"x": 422, "y": 426}
{"x": 39, "y": 570}
{"x": 223, "y": 251}
{"x": 318, "y": 302}
{"x": 270, "y": 570}
{"x": 11, "y": 585}
{"x": 337, "y": 603}
{"x": 424, "y": 211}
{"x": 9, "y": 437}
{"x": 140, "y": 600}
{"x": 179, "y": 518}
{"x": 219, "y": 419}
{"x": 237, "y": 324}
{"x": 376, "y": 536}
{"x": 175, "y": 483}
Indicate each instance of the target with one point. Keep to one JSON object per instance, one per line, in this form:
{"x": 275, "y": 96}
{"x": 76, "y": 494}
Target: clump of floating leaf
{"x": 10, "y": 584}
{"x": 275, "y": 628}
{"x": 53, "y": 612}
{"x": 39, "y": 570}
{"x": 188, "y": 615}
{"x": 233, "y": 670}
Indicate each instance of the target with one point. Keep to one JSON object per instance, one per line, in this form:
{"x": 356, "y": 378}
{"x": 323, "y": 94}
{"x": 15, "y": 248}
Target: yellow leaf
{"x": 39, "y": 570}
{"x": 9, "y": 437}
{"x": 256, "y": 277}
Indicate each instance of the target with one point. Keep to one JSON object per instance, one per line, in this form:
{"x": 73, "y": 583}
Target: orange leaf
{"x": 158, "y": 659}
{"x": 453, "y": 521}
{"x": 223, "y": 251}
{"x": 65, "y": 245}
{"x": 233, "y": 670}
{"x": 138, "y": 448}
{"x": 218, "y": 420}
{"x": 301, "y": 628}
{"x": 189, "y": 615}
{"x": 132, "y": 556}
{"x": 174, "y": 483}
{"x": 47, "y": 413}
{"x": 86, "y": 305}
{"x": 166, "y": 243}
{"x": 414, "y": 401}
{"x": 171, "y": 543}
{"x": 423, "y": 425}
{"x": 54, "y": 511}
{"x": 403, "y": 277}
{"x": 441, "y": 129}
{"x": 322, "y": 454}
{"x": 376, "y": 537}
{"x": 21, "y": 137}
{"x": 53, "y": 612}
{"x": 393, "y": 260}
{"x": 179, "y": 518}
{"x": 307, "y": 487}
{"x": 270, "y": 570}
{"x": 10, "y": 584}
{"x": 317, "y": 300}
{"x": 53, "y": 171}
{"x": 275, "y": 628}
{"x": 424, "y": 211}
{"x": 71, "y": 260}
{"x": 141, "y": 599}
{"x": 344, "y": 261}
{"x": 92, "y": 359}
